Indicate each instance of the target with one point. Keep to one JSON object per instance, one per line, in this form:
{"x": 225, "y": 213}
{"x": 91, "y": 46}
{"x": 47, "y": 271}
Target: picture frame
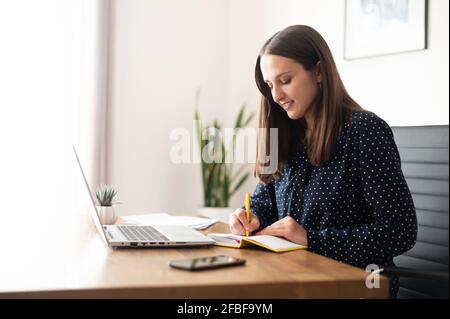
{"x": 382, "y": 27}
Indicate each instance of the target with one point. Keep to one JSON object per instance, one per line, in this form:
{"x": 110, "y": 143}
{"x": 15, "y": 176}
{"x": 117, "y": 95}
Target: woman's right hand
{"x": 239, "y": 223}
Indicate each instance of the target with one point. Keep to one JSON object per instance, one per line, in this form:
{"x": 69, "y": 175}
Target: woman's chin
{"x": 294, "y": 115}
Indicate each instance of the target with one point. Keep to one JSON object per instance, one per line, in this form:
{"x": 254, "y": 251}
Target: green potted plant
{"x": 220, "y": 179}
{"x": 107, "y": 208}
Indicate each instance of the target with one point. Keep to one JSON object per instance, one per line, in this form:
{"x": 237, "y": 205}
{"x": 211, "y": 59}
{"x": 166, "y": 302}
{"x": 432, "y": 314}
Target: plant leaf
{"x": 238, "y": 124}
{"x": 248, "y": 120}
{"x": 239, "y": 184}
{"x": 239, "y": 171}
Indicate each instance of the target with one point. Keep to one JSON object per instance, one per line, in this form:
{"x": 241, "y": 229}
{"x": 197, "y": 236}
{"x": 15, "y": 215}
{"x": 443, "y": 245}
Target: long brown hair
{"x": 330, "y": 109}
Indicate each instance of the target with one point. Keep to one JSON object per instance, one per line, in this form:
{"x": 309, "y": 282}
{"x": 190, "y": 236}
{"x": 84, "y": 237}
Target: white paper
{"x": 166, "y": 219}
{"x": 274, "y": 242}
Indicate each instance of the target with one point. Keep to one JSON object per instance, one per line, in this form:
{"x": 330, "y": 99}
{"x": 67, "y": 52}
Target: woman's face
{"x": 292, "y": 87}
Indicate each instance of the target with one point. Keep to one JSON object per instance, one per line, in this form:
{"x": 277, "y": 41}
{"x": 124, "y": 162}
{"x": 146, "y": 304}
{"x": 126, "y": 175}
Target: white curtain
{"x": 90, "y": 110}
{"x": 53, "y": 89}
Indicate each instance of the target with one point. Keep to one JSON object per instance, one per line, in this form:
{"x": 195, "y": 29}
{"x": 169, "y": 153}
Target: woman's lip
{"x": 287, "y": 105}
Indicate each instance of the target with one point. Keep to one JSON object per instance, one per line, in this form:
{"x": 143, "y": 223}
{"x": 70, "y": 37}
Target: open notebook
{"x": 272, "y": 243}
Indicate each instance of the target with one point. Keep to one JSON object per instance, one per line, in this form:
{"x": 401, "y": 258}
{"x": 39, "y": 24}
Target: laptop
{"x": 143, "y": 236}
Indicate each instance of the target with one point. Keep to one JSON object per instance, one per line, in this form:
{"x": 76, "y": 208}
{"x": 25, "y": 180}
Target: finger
{"x": 235, "y": 214}
{"x": 231, "y": 218}
{"x": 264, "y": 231}
{"x": 254, "y": 223}
{"x": 285, "y": 222}
{"x": 278, "y": 223}
{"x": 242, "y": 216}
{"x": 287, "y": 219}
{"x": 273, "y": 230}
{"x": 235, "y": 226}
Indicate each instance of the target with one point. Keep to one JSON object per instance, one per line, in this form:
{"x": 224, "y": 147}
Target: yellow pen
{"x": 247, "y": 210}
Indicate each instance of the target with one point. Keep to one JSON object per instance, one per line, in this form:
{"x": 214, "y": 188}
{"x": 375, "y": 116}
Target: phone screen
{"x": 207, "y": 262}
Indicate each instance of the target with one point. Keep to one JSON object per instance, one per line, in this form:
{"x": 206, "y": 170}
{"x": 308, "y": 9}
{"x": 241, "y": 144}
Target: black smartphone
{"x": 206, "y": 262}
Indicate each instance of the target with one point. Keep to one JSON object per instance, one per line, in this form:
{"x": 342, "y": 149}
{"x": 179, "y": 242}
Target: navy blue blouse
{"x": 357, "y": 208}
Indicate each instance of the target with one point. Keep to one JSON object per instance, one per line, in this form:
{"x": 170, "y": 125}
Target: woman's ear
{"x": 318, "y": 72}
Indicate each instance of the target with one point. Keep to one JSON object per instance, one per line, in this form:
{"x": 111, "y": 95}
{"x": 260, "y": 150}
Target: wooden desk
{"x": 72, "y": 261}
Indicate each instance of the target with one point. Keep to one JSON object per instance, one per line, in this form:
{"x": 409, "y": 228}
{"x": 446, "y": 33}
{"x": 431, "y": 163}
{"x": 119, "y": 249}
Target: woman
{"x": 339, "y": 188}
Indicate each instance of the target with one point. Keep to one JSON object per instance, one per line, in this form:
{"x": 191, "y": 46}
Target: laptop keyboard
{"x": 142, "y": 233}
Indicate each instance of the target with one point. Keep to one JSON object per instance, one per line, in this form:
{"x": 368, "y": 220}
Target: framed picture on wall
{"x": 380, "y": 27}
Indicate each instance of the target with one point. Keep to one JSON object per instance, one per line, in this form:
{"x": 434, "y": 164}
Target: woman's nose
{"x": 278, "y": 94}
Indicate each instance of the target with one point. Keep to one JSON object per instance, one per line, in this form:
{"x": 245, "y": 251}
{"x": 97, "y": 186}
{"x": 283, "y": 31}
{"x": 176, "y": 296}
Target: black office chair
{"x": 423, "y": 270}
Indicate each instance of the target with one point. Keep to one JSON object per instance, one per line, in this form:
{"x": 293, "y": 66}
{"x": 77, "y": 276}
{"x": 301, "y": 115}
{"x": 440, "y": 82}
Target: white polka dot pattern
{"x": 356, "y": 208}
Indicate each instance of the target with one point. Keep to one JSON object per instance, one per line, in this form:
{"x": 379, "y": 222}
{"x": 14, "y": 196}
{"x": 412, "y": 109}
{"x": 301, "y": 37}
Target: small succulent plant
{"x": 105, "y": 195}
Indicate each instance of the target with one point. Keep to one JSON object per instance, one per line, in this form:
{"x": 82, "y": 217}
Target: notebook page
{"x": 228, "y": 239}
{"x": 276, "y": 243}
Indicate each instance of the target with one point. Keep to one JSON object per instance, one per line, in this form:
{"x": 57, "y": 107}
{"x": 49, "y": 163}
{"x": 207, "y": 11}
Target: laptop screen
{"x": 93, "y": 210}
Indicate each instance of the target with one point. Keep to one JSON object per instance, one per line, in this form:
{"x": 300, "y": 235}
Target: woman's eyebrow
{"x": 280, "y": 74}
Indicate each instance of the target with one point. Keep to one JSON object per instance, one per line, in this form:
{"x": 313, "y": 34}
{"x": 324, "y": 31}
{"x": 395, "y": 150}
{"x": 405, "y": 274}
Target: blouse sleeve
{"x": 262, "y": 204}
{"x": 393, "y": 229}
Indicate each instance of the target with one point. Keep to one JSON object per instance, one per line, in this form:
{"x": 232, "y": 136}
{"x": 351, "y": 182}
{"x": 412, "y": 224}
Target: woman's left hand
{"x": 287, "y": 228}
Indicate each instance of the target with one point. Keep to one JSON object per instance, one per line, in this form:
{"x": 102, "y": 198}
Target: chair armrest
{"x": 414, "y": 273}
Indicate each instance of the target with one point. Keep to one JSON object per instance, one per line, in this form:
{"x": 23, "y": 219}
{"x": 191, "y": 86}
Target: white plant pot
{"x": 108, "y": 214}
{"x": 220, "y": 213}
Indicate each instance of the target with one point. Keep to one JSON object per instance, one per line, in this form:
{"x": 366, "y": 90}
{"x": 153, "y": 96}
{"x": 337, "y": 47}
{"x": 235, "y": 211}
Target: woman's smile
{"x": 286, "y": 105}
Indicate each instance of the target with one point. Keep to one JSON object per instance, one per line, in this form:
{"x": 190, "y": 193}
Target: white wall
{"x": 405, "y": 89}
{"x": 161, "y": 51}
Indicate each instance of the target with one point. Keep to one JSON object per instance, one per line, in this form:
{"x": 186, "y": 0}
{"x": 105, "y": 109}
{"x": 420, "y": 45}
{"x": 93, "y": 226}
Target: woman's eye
{"x": 286, "y": 81}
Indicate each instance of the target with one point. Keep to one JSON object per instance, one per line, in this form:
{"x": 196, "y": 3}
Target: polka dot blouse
{"x": 357, "y": 208}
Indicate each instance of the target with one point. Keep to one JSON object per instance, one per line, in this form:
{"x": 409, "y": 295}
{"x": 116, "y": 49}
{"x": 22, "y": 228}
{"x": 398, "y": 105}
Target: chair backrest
{"x": 425, "y": 165}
